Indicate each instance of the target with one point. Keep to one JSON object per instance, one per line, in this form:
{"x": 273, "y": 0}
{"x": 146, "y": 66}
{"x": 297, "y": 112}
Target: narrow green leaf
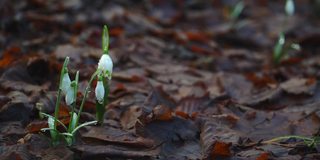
{"x": 82, "y": 125}
{"x": 49, "y": 116}
{"x": 67, "y": 134}
{"x": 278, "y": 48}
{"x": 237, "y": 10}
{"x": 73, "y": 121}
{"x": 53, "y": 131}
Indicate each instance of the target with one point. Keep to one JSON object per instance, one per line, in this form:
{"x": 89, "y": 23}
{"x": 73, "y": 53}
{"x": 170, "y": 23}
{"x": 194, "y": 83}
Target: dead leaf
{"x": 61, "y": 152}
{"x": 177, "y": 137}
{"x": 18, "y": 109}
{"x": 117, "y": 136}
{"x": 130, "y": 117}
{"x": 18, "y": 78}
{"x": 18, "y": 152}
{"x": 130, "y": 75}
{"x": 298, "y": 86}
{"x": 221, "y": 149}
{"x": 161, "y": 112}
{"x": 263, "y": 156}
{"x": 191, "y": 106}
{"x": 103, "y": 151}
{"x": 35, "y": 127}
{"x": 9, "y": 56}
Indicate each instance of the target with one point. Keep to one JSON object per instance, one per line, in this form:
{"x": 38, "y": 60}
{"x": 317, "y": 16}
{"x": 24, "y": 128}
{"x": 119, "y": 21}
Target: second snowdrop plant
{"x": 69, "y": 89}
{"x": 104, "y": 74}
{"x": 281, "y": 47}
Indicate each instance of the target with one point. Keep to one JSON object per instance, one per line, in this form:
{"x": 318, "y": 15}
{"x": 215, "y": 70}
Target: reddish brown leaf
{"x": 161, "y": 112}
{"x": 291, "y": 61}
{"x": 263, "y": 156}
{"x": 119, "y": 87}
{"x": 9, "y": 56}
{"x": 221, "y": 149}
{"x": 260, "y": 81}
{"x": 199, "y": 50}
{"x": 63, "y": 111}
{"x": 36, "y": 126}
{"x": 116, "y": 32}
{"x": 182, "y": 114}
{"x": 197, "y": 36}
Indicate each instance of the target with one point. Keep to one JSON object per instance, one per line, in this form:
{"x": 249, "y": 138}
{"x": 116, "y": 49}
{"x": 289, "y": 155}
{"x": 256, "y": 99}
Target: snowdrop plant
{"x": 237, "y": 10}
{"x": 234, "y": 14}
{"x": 281, "y": 48}
{"x": 104, "y": 73}
{"x": 69, "y": 89}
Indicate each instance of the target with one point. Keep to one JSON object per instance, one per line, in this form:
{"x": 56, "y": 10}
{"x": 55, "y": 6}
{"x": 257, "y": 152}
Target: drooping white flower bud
{"x": 99, "y": 91}
{"x": 105, "y": 65}
{"x": 70, "y": 94}
{"x": 289, "y": 7}
{"x": 66, "y": 82}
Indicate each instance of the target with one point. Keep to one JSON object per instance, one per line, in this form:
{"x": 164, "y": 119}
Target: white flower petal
{"x": 289, "y": 7}
{"x": 69, "y": 96}
{"x": 106, "y": 65}
{"x": 66, "y": 82}
{"x": 99, "y": 91}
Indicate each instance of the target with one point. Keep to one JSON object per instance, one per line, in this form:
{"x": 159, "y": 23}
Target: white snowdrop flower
{"x": 99, "y": 91}
{"x": 289, "y": 7}
{"x": 69, "y": 98}
{"x": 105, "y": 65}
{"x": 66, "y": 83}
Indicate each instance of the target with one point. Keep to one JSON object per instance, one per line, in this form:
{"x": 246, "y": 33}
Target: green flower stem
{"x": 94, "y": 75}
{"x": 100, "y": 108}
{"x": 56, "y": 111}
{"x": 71, "y": 123}
{"x": 99, "y": 112}
{"x": 75, "y": 92}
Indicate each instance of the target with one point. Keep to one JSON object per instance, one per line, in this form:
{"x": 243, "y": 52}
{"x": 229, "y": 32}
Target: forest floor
{"x": 188, "y": 81}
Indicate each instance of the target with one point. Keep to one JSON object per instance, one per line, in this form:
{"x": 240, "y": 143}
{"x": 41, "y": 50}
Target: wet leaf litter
{"x": 189, "y": 81}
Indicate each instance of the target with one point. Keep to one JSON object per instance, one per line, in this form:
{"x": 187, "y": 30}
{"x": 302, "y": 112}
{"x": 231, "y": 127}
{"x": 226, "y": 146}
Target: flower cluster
{"x": 69, "y": 89}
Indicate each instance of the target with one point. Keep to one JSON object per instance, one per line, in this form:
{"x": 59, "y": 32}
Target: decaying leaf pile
{"x": 187, "y": 83}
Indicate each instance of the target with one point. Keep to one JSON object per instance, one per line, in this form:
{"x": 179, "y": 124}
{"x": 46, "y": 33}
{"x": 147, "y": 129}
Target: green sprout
{"x": 69, "y": 89}
{"x": 281, "y": 48}
{"x": 234, "y": 14}
{"x": 310, "y": 142}
{"x": 237, "y": 10}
